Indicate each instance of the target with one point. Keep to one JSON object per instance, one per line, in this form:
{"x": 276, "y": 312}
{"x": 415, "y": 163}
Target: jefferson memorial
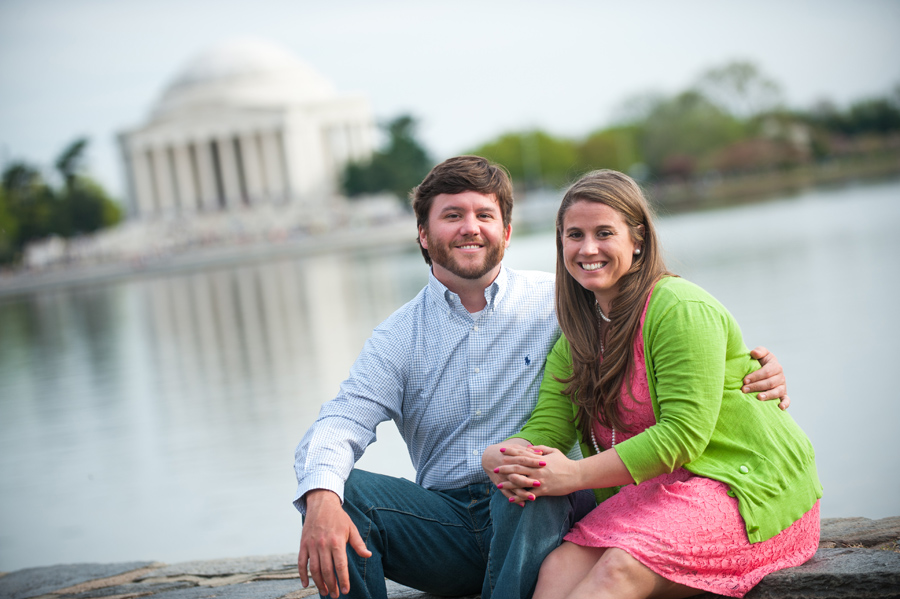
{"x": 243, "y": 125}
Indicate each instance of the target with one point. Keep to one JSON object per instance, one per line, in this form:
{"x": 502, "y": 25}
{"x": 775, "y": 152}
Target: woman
{"x": 647, "y": 378}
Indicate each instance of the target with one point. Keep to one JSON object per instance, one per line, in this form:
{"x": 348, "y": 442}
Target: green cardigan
{"x": 696, "y": 361}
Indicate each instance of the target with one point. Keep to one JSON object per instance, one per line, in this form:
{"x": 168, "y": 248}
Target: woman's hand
{"x": 560, "y": 476}
{"x": 514, "y": 452}
{"x": 555, "y": 474}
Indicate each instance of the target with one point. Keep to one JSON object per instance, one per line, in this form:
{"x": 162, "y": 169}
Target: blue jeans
{"x": 457, "y": 542}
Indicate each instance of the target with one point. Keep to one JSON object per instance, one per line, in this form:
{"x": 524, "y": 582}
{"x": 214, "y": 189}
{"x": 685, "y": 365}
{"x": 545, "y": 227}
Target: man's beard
{"x": 441, "y": 255}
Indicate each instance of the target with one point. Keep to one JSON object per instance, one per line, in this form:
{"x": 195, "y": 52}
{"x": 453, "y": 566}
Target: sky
{"x": 468, "y": 70}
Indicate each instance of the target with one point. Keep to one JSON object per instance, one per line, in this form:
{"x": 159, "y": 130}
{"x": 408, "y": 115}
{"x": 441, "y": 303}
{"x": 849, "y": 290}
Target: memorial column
{"x": 184, "y": 177}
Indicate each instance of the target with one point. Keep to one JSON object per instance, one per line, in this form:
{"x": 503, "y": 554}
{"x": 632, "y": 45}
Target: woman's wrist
{"x": 583, "y": 474}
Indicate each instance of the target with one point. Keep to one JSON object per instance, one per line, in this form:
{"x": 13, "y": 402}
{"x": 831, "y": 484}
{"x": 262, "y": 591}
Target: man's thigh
{"x": 428, "y": 540}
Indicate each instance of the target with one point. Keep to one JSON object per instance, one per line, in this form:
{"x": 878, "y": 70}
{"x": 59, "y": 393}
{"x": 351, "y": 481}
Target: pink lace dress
{"x": 685, "y": 527}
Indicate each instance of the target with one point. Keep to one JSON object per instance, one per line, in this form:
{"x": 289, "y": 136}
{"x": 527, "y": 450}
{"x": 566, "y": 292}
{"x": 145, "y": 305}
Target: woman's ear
{"x": 638, "y": 245}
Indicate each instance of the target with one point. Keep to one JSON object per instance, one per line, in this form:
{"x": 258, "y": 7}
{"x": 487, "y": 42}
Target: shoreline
{"x": 379, "y": 238}
{"x": 672, "y": 198}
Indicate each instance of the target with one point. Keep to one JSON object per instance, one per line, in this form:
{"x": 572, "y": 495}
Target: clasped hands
{"x": 523, "y": 472}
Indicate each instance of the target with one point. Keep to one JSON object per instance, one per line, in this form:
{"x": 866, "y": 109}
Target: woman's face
{"x": 597, "y": 248}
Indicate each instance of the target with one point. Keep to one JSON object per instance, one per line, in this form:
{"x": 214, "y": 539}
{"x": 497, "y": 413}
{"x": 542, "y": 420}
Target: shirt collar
{"x": 493, "y": 293}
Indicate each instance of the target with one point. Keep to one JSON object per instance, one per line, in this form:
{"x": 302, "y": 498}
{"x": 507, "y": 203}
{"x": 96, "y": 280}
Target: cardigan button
{"x": 744, "y": 469}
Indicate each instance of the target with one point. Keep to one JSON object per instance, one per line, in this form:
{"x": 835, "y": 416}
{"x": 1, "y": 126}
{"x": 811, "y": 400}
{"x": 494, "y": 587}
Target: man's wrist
{"x": 316, "y": 498}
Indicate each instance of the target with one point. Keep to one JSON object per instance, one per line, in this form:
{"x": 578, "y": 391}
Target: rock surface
{"x": 860, "y": 532}
{"x": 858, "y": 558}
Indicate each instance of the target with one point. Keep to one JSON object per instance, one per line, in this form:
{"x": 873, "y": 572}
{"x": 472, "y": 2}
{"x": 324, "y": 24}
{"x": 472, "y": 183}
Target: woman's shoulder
{"x": 561, "y": 348}
{"x": 672, "y": 290}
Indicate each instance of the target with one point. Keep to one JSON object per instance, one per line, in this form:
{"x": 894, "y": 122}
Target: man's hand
{"x": 768, "y": 380}
{"x": 323, "y": 543}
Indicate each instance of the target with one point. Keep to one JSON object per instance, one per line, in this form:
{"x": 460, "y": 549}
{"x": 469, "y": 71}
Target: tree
{"x": 83, "y": 205}
{"x": 29, "y": 201}
{"x": 832, "y": 126}
{"x": 9, "y": 229}
{"x": 875, "y": 115}
{"x": 397, "y": 168}
{"x": 85, "y": 208}
{"x": 635, "y": 109}
{"x": 71, "y": 160}
{"x": 684, "y": 131}
{"x": 740, "y": 89}
{"x": 534, "y": 158}
{"x": 615, "y": 148}
{"x": 30, "y": 209}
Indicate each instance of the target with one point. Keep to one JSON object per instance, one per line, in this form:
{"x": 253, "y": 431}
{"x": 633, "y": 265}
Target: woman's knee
{"x": 615, "y": 568}
{"x": 550, "y": 567}
{"x": 564, "y": 569}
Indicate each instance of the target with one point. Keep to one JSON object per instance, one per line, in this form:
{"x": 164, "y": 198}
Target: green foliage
{"x": 740, "y": 89}
{"x": 731, "y": 120}
{"x": 30, "y": 209}
{"x": 84, "y": 207}
{"x": 397, "y": 168}
{"x": 9, "y": 230}
{"x": 534, "y": 158}
{"x": 616, "y": 148}
{"x": 873, "y": 115}
{"x": 635, "y": 108}
{"x": 681, "y": 133}
{"x": 30, "y": 202}
{"x": 877, "y": 115}
{"x": 70, "y": 160}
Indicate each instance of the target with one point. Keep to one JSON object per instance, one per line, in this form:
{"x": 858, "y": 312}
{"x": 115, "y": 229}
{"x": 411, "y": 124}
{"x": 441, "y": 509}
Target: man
{"x": 458, "y": 368}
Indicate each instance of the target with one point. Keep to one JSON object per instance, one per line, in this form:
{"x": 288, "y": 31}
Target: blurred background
{"x": 203, "y": 215}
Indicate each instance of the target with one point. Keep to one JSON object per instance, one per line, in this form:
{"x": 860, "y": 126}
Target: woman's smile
{"x": 593, "y": 266}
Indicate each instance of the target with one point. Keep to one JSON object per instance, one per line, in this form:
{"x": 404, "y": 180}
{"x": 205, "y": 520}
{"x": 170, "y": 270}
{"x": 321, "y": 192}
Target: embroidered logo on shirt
{"x": 527, "y": 361}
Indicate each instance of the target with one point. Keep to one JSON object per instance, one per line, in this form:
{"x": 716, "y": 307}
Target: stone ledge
{"x": 858, "y": 558}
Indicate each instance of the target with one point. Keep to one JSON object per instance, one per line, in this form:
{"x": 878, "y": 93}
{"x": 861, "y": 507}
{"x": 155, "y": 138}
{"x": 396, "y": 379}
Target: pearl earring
{"x": 637, "y": 251}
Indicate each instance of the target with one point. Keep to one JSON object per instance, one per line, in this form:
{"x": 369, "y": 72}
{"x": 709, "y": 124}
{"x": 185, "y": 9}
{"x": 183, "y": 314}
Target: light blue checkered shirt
{"x": 454, "y": 384}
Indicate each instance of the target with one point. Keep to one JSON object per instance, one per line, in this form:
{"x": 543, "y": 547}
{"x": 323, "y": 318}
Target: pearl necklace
{"x": 600, "y": 312}
{"x": 602, "y": 350}
{"x": 594, "y": 440}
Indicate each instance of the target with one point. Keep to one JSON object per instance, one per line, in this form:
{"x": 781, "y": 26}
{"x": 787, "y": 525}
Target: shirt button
{"x": 744, "y": 469}
{"x": 477, "y": 370}
{"x": 475, "y": 328}
{"x": 475, "y": 452}
{"x": 478, "y": 412}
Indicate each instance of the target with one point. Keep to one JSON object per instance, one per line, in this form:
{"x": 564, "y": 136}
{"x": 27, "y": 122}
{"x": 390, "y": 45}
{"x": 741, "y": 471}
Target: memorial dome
{"x": 247, "y": 73}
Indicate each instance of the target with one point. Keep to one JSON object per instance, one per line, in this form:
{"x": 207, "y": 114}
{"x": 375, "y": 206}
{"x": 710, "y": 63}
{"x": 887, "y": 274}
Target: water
{"x": 156, "y": 418}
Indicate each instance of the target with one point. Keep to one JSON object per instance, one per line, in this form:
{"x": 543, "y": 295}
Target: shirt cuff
{"x": 318, "y": 480}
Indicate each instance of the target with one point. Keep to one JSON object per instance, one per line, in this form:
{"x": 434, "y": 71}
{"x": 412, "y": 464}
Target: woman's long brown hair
{"x": 595, "y": 386}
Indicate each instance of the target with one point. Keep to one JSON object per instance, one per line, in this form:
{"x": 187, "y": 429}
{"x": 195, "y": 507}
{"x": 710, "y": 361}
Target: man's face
{"x": 465, "y": 236}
